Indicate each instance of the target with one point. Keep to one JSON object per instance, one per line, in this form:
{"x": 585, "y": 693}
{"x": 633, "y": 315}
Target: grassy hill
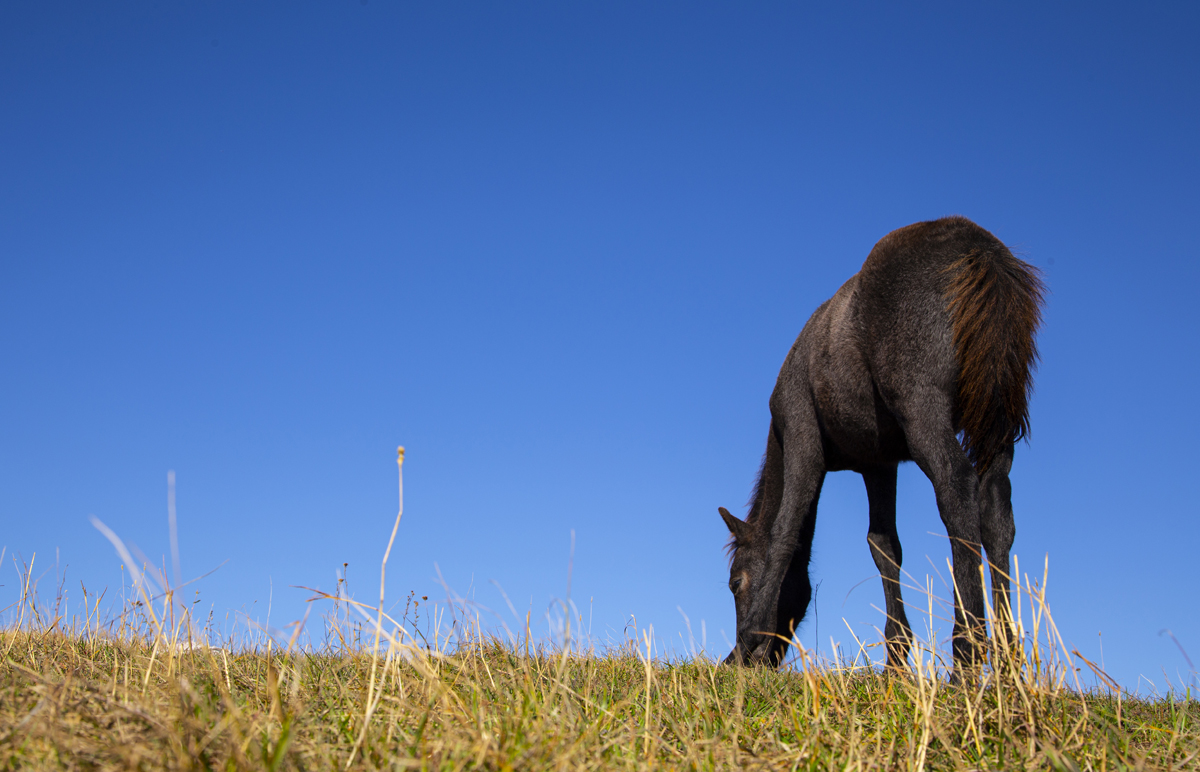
{"x": 129, "y": 697}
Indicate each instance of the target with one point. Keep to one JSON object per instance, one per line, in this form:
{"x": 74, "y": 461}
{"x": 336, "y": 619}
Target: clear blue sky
{"x": 559, "y": 252}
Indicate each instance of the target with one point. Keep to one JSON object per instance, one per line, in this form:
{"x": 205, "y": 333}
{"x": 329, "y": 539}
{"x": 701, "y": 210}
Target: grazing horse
{"x": 925, "y": 355}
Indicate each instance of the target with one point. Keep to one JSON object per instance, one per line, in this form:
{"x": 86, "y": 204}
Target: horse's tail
{"x": 995, "y": 303}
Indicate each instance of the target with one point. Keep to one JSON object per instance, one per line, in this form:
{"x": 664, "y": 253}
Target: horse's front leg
{"x": 795, "y": 593}
{"x": 885, "y": 549}
{"x": 779, "y": 581}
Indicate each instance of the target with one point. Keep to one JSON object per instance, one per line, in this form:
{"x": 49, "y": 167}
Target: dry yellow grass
{"x": 136, "y": 693}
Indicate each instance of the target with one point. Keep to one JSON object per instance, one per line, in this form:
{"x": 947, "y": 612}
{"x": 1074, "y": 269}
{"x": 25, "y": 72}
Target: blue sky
{"x": 559, "y": 252}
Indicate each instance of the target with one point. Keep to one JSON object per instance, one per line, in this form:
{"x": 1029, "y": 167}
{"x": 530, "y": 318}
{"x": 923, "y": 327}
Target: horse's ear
{"x": 735, "y": 526}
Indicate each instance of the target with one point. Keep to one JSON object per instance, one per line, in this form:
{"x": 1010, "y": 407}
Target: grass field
{"x": 135, "y": 693}
{"x": 148, "y": 688}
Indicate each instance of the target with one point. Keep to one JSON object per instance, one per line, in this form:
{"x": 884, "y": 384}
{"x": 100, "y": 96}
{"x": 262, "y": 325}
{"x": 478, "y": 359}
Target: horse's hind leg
{"x": 885, "y": 548}
{"x": 934, "y": 445}
{"x": 998, "y": 530}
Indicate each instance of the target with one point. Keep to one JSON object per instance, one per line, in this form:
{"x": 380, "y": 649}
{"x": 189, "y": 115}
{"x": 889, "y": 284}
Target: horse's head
{"x": 755, "y": 596}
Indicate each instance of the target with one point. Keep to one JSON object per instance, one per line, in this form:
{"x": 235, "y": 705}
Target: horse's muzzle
{"x": 764, "y": 654}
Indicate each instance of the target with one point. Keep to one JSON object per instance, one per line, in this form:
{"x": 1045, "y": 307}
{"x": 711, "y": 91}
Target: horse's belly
{"x": 858, "y": 431}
